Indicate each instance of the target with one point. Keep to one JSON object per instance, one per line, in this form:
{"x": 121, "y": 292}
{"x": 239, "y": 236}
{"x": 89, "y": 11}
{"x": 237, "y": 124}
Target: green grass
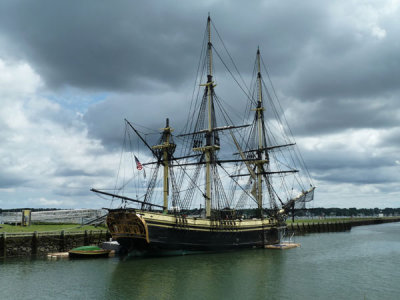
{"x": 48, "y": 227}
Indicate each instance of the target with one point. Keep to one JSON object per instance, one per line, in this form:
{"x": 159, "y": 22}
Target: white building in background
{"x": 74, "y": 216}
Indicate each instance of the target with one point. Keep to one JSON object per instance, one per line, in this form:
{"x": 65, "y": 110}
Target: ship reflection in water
{"x": 248, "y": 273}
{"x": 360, "y": 262}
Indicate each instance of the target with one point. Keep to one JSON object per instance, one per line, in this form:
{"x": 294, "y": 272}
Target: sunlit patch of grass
{"x": 48, "y": 227}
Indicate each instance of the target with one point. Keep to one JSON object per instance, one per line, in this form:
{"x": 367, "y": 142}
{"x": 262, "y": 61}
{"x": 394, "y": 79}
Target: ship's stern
{"x": 129, "y": 229}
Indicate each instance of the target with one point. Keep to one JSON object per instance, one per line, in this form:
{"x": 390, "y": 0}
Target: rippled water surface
{"x": 361, "y": 264}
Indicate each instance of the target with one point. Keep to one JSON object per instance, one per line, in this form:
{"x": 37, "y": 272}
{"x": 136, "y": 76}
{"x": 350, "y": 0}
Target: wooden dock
{"x": 283, "y": 246}
{"x": 57, "y": 255}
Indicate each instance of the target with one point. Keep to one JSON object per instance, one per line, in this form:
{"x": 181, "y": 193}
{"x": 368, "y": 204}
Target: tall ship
{"x": 227, "y": 180}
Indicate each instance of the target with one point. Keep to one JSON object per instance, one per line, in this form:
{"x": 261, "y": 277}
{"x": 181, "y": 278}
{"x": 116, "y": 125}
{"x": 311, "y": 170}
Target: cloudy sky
{"x": 71, "y": 71}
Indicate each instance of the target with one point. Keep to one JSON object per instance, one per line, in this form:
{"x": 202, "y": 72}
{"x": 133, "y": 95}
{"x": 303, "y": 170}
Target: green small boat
{"x": 88, "y": 251}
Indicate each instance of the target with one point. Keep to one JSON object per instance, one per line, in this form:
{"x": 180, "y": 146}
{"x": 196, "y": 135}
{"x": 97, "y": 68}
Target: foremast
{"x": 166, "y": 148}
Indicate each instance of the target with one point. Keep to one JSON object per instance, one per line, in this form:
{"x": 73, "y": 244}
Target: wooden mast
{"x": 210, "y": 125}
{"x": 260, "y": 120}
{"x": 167, "y": 148}
{"x": 210, "y": 146}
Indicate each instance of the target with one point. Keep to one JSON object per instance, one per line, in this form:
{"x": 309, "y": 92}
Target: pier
{"x": 335, "y": 226}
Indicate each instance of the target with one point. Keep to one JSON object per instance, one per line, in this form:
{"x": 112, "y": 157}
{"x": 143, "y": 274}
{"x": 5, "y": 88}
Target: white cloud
{"x": 378, "y": 32}
{"x": 351, "y": 195}
{"x": 55, "y": 203}
{"x": 40, "y": 151}
{"x": 353, "y": 168}
{"x": 352, "y": 141}
{"x": 18, "y": 80}
{"x": 368, "y": 16}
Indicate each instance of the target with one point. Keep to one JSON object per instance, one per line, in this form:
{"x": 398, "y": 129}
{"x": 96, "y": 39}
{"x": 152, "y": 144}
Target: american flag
{"x": 138, "y": 164}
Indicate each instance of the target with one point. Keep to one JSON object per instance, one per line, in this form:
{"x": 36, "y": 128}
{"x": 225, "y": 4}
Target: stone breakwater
{"x": 326, "y": 226}
{"x": 42, "y": 243}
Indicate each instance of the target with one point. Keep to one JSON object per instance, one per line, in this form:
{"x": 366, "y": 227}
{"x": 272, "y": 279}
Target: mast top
{"x": 209, "y": 49}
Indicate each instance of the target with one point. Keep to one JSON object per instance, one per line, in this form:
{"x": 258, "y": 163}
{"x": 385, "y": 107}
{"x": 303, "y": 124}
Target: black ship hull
{"x": 158, "y": 234}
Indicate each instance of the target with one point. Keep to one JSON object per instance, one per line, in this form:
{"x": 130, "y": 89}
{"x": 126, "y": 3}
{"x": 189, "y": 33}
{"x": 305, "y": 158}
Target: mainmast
{"x": 260, "y": 121}
{"x": 210, "y": 147}
{"x": 257, "y": 189}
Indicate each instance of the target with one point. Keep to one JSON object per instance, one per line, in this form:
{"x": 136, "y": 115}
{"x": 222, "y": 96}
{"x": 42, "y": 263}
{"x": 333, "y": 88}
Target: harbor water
{"x": 361, "y": 264}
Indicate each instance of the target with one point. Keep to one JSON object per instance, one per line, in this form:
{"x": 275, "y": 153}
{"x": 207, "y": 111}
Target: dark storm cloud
{"x": 137, "y": 45}
{"x": 342, "y": 159}
{"x": 99, "y": 44}
{"x": 367, "y": 70}
{"x": 358, "y": 176}
{"x": 312, "y": 56}
{"x": 392, "y": 138}
{"x": 331, "y": 115}
{"x": 8, "y": 180}
{"x": 70, "y": 172}
{"x": 106, "y": 120}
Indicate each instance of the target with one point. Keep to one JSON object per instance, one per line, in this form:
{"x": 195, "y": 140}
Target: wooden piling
{"x": 34, "y": 244}
{"x": 4, "y": 244}
{"x": 62, "y": 241}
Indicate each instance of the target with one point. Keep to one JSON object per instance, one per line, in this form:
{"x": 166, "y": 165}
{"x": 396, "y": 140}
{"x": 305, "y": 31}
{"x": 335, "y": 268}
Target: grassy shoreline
{"x": 48, "y": 228}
